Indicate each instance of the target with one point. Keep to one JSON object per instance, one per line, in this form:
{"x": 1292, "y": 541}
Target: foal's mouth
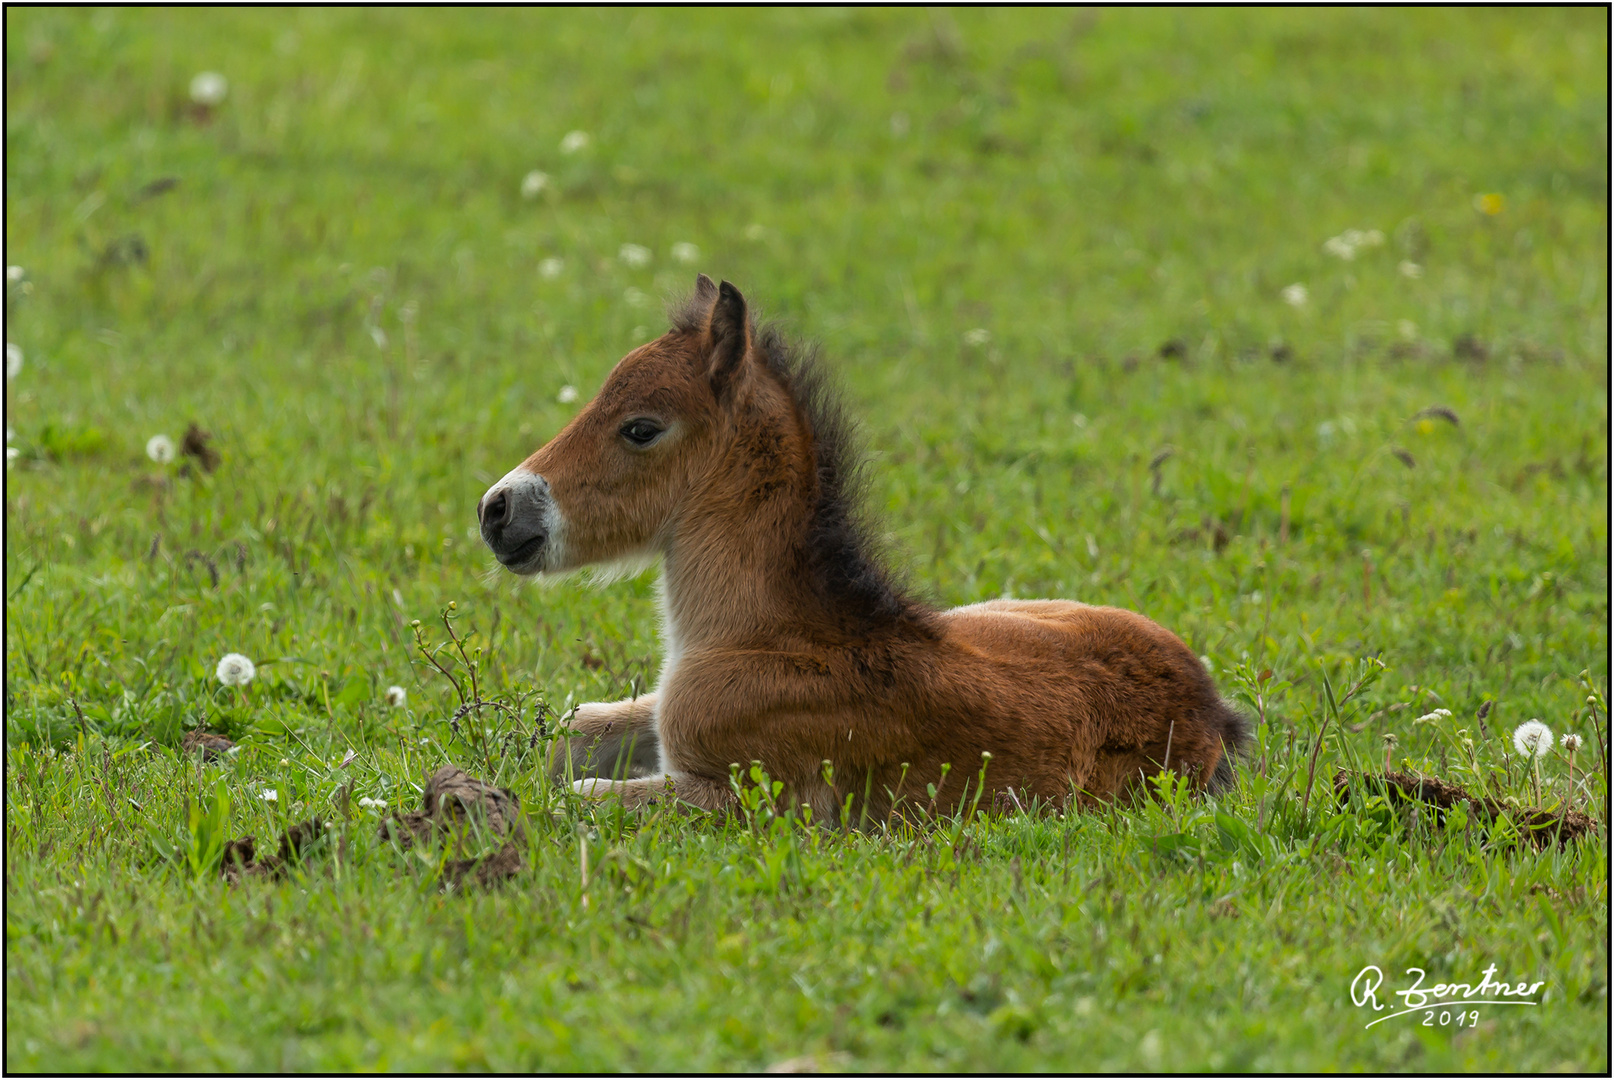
{"x": 519, "y": 557}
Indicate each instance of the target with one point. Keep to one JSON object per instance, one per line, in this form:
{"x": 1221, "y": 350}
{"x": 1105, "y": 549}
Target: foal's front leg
{"x": 614, "y": 738}
{"x": 692, "y": 791}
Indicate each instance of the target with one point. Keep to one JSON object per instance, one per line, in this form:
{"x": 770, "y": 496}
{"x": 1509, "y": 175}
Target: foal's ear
{"x": 731, "y": 336}
{"x": 705, "y": 290}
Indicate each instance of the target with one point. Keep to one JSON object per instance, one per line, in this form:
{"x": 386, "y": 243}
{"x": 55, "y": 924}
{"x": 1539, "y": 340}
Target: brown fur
{"x": 790, "y": 644}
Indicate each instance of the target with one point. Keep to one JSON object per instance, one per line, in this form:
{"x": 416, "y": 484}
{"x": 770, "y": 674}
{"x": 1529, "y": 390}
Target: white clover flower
{"x": 1570, "y": 742}
{"x": 1410, "y": 269}
{"x": 634, "y": 255}
{"x": 209, "y": 88}
{"x": 1349, "y": 242}
{"x": 551, "y": 268}
{"x": 1295, "y": 295}
{"x": 1532, "y": 739}
{"x": 396, "y": 696}
{"x": 1340, "y": 248}
{"x": 236, "y": 670}
{"x": 13, "y": 360}
{"x": 15, "y": 273}
{"x": 269, "y": 795}
{"x": 574, "y": 141}
{"x": 533, "y": 184}
{"x": 373, "y": 804}
{"x": 567, "y": 395}
{"x": 978, "y": 336}
{"x": 160, "y": 448}
{"x": 1432, "y": 716}
{"x": 686, "y": 253}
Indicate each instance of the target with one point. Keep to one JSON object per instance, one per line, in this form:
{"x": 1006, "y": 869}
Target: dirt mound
{"x": 481, "y": 824}
{"x": 466, "y": 812}
{"x": 1541, "y": 827}
{"x": 241, "y": 861}
{"x": 213, "y": 747}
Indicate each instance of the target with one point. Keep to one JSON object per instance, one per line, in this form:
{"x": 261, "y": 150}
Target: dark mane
{"x": 845, "y": 566}
{"x": 841, "y": 560}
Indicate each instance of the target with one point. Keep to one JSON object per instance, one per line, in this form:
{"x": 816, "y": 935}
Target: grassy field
{"x": 1145, "y": 308}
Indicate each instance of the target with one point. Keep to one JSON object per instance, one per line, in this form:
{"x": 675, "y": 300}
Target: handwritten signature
{"x": 1417, "y": 998}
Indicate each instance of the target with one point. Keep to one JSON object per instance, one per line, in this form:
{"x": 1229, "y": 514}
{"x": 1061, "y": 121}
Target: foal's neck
{"x": 731, "y": 583}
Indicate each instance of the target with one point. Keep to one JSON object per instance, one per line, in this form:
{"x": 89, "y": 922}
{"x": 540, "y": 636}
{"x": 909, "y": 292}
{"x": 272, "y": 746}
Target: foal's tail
{"x": 1233, "y": 729}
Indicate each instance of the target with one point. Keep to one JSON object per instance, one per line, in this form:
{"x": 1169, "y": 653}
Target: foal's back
{"x": 1069, "y": 693}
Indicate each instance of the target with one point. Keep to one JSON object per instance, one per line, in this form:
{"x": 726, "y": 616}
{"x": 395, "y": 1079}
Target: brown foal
{"x": 723, "y": 452}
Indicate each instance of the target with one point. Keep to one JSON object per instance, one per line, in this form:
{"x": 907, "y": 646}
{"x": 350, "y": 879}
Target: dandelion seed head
{"x": 13, "y": 360}
{"x": 236, "y": 670}
{"x": 567, "y": 395}
{"x": 686, "y": 253}
{"x": 1295, "y": 295}
{"x": 1570, "y": 742}
{"x": 1410, "y": 269}
{"x": 1438, "y": 714}
{"x": 1532, "y": 739}
{"x": 634, "y": 255}
{"x": 160, "y": 448}
{"x": 533, "y": 184}
{"x": 397, "y": 696}
{"x": 574, "y": 141}
{"x": 15, "y": 273}
{"x": 209, "y": 88}
{"x": 551, "y": 268}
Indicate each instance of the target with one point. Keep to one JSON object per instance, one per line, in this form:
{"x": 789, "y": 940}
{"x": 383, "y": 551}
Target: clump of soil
{"x": 1541, "y": 827}
{"x": 241, "y": 861}
{"x": 463, "y": 810}
{"x": 198, "y": 444}
{"x": 459, "y": 810}
{"x": 213, "y": 747}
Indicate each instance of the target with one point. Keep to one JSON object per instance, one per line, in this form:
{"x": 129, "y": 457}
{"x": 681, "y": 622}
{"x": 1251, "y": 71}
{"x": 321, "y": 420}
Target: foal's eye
{"x": 641, "y": 432}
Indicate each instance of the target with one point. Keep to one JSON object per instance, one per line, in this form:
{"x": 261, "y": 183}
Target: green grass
{"x": 344, "y": 287}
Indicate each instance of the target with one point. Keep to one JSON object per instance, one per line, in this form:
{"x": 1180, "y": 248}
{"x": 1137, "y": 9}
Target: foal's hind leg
{"x": 693, "y": 791}
{"x": 611, "y": 739}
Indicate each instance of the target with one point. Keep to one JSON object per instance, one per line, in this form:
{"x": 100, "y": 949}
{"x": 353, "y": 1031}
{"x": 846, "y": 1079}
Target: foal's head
{"x": 609, "y": 488}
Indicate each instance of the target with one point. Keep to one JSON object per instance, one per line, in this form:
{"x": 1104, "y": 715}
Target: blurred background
{"x": 1124, "y": 298}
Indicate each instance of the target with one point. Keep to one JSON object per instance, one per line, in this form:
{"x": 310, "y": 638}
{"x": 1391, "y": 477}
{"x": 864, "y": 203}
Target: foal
{"x": 787, "y": 642}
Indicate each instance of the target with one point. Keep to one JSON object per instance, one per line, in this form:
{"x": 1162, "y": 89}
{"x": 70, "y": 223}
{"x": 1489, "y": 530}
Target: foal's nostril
{"x": 495, "y": 511}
